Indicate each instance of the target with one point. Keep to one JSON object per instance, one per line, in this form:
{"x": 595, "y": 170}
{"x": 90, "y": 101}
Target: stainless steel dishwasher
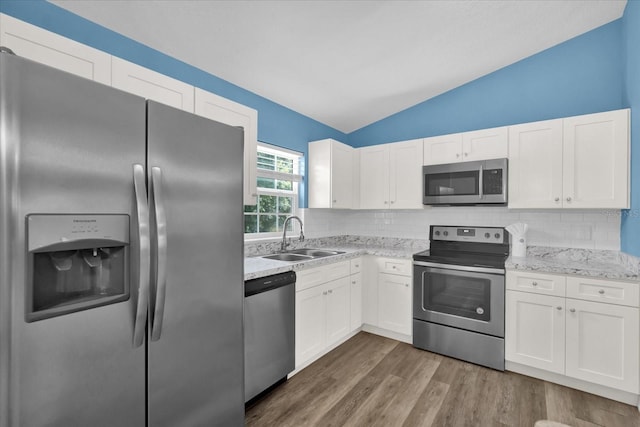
{"x": 269, "y": 332}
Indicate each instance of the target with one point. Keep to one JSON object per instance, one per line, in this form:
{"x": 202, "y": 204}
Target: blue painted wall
{"x": 582, "y": 75}
{"x": 597, "y": 71}
{"x": 277, "y": 125}
{"x": 630, "y": 227}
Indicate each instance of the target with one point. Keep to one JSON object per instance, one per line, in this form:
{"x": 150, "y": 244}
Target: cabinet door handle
{"x": 330, "y": 291}
{"x": 568, "y": 199}
{"x": 557, "y": 199}
{"x": 558, "y": 308}
{"x": 393, "y": 201}
{"x": 385, "y": 202}
{"x": 457, "y": 155}
{"x": 601, "y": 291}
{"x": 335, "y": 201}
{"x": 534, "y": 283}
{"x": 324, "y": 293}
{"x": 573, "y": 310}
{"x": 353, "y": 282}
{"x": 406, "y": 285}
{"x": 466, "y": 154}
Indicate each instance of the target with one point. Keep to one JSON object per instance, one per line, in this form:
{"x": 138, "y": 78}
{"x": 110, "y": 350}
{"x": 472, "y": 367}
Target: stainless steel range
{"x": 458, "y": 294}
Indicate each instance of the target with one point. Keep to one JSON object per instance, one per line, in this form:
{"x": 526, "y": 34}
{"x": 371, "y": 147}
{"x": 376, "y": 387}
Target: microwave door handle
{"x": 480, "y": 195}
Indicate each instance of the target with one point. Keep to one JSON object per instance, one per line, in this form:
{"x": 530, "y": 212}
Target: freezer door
{"x": 195, "y": 361}
{"x": 67, "y": 147}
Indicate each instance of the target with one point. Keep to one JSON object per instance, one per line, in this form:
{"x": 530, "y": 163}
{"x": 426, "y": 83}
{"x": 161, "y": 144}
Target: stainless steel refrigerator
{"x": 121, "y": 257}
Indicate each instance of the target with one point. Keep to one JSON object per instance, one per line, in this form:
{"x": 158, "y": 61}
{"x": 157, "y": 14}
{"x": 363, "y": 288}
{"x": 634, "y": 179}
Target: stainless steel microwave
{"x": 466, "y": 183}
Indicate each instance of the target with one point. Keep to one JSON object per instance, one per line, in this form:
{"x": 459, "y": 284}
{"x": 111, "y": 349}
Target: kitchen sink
{"x": 315, "y": 253}
{"x": 288, "y": 257}
{"x": 304, "y": 254}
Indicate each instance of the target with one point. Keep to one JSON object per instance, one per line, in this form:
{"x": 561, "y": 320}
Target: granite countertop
{"x": 603, "y": 264}
{"x": 352, "y": 246}
{"x": 583, "y": 262}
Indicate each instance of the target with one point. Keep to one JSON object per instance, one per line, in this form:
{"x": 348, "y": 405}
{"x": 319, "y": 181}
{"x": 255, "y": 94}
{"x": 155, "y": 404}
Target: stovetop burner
{"x": 468, "y": 246}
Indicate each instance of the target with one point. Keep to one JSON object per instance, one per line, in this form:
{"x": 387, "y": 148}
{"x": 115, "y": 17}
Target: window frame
{"x": 296, "y": 178}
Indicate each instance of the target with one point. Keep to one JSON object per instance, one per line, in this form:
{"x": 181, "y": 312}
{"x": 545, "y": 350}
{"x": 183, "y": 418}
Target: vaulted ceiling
{"x": 349, "y": 63}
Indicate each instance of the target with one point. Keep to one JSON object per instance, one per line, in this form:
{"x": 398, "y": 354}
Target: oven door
{"x": 462, "y": 297}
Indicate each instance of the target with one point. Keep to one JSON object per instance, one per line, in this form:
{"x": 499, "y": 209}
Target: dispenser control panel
{"x": 46, "y": 230}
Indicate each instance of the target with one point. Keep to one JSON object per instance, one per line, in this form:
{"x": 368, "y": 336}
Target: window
{"x": 278, "y": 178}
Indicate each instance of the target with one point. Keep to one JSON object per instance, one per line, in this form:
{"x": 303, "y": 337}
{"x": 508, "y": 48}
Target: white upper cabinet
{"x": 31, "y": 42}
{"x": 391, "y": 175}
{"x": 152, "y": 85}
{"x": 596, "y": 160}
{"x": 465, "y": 147}
{"x": 374, "y": 177}
{"x": 224, "y": 110}
{"x": 331, "y": 171}
{"x": 485, "y": 144}
{"x": 405, "y": 175}
{"x": 535, "y": 165}
{"x": 442, "y": 149}
{"x": 578, "y": 162}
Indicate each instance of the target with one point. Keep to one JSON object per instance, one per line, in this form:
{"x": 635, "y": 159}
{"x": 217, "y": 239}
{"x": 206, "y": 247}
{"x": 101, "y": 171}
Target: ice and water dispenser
{"x": 75, "y": 262}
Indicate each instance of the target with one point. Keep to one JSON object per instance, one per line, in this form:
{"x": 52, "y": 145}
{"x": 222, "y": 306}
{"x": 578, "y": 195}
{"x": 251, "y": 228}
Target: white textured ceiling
{"x": 349, "y": 63}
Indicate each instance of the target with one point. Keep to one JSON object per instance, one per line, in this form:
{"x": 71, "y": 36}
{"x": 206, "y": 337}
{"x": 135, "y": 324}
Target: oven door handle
{"x": 460, "y": 267}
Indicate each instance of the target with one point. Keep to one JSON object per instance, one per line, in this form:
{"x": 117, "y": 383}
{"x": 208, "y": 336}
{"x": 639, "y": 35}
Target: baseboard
{"x": 325, "y": 351}
{"x": 387, "y": 333}
{"x": 600, "y": 390}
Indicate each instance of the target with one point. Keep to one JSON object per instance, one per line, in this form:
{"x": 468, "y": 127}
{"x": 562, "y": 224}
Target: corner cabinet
{"x": 51, "y": 49}
{"x": 579, "y": 327}
{"x": 578, "y": 162}
{"x": 391, "y": 175}
{"x": 224, "y": 110}
{"x": 387, "y": 297}
{"x": 482, "y": 144}
{"x": 331, "y": 171}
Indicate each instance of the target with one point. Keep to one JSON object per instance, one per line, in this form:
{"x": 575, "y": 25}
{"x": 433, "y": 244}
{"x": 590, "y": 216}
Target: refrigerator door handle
{"x": 161, "y": 251}
{"x": 144, "y": 254}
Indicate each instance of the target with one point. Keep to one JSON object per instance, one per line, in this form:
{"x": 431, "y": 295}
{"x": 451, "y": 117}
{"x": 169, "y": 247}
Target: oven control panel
{"x": 468, "y": 234}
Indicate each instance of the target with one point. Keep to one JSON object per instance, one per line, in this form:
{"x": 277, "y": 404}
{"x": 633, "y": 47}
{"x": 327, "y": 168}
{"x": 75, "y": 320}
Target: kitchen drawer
{"x": 402, "y": 267}
{"x": 538, "y": 283}
{"x": 609, "y": 291}
{"x": 356, "y": 265}
{"x": 308, "y": 278}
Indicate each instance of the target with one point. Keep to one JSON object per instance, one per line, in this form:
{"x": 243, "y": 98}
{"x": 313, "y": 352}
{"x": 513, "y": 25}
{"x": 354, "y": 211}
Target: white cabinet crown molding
{"x": 54, "y": 50}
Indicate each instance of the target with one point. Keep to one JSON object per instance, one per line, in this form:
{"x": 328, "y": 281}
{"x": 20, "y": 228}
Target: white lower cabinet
{"x": 387, "y": 295}
{"x": 534, "y": 333}
{"x": 573, "y": 335}
{"x": 394, "y": 307}
{"x": 356, "y": 293}
{"x": 602, "y": 344}
{"x": 337, "y": 309}
{"x": 310, "y": 323}
{"x": 325, "y": 308}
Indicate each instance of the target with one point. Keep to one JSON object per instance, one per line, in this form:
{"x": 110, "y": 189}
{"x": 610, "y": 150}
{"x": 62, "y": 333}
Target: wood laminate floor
{"x": 375, "y": 381}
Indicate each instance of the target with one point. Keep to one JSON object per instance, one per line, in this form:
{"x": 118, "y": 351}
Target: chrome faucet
{"x": 283, "y": 247}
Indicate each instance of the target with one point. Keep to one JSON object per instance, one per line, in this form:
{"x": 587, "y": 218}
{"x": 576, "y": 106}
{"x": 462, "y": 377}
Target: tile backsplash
{"x": 587, "y": 229}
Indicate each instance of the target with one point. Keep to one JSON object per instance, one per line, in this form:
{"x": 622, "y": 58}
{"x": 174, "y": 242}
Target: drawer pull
{"x": 534, "y": 283}
{"x": 573, "y": 310}
{"x": 601, "y": 291}
{"x": 558, "y": 308}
